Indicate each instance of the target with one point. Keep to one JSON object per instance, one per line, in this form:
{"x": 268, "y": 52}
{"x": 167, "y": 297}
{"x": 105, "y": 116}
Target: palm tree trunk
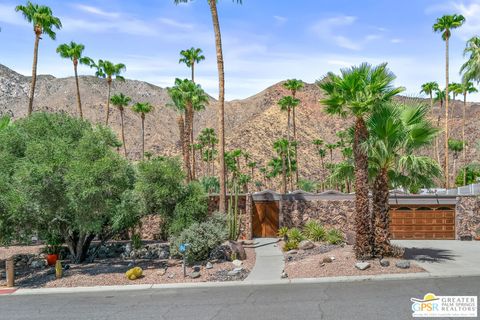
{"x": 323, "y": 174}
{"x": 296, "y": 143}
{"x": 181, "y": 130}
{"x": 143, "y": 136}
{"x": 79, "y": 102}
{"x": 107, "y": 112}
{"x": 221, "y": 103}
{"x": 192, "y": 145}
{"x": 363, "y": 240}
{"x": 464, "y": 155}
{"x": 34, "y": 71}
{"x": 284, "y": 173}
{"x": 186, "y": 141}
{"x": 381, "y": 210}
{"x": 289, "y": 161}
{"x": 446, "y": 115}
{"x": 123, "y": 133}
{"x": 437, "y": 146}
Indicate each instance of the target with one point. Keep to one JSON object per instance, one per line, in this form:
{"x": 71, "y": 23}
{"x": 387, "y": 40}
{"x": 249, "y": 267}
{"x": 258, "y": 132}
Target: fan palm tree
{"x": 121, "y": 101}
{"x": 331, "y": 147}
{"x": 294, "y": 85}
{"x": 44, "y": 22}
{"x": 455, "y": 89}
{"x": 281, "y": 146}
{"x": 142, "y": 108}
{"x": 288, "y": 103}
{"x": 429, "y": 88}
{"x": 221, "y": 96}
{"x": 456, "y": 146}
{"x": 444, "y": 25}
{"x": 190, "y": 57}
{"x": 356, "y": 92}
{"x": 471, "y": 68}
{"x": 467, "y": 88}
{"x": 74, "y": 51}
{"x": 108, "y": 70}
{"x": 252, "y": 165}
{"x": 395, "y": 131}
{"x": 189, "y": 96}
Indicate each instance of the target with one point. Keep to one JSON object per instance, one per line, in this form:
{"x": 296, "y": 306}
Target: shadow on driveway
{"x": 428, "y": 254}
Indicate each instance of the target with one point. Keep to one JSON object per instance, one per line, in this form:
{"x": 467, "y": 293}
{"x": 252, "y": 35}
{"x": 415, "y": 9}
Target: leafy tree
{"x": 356, "y": 92}
{"x": 65, "y": 181}
{"x": 472, "y": 172}
{"x": 221, "y": 96}
{"x": 445, "y": 25}
{"x": 121, "y": 101}
{"x": 74, "y": 51}
{"x": 142, "y": 108}
{"x": 108, "y": 70}
{"x": 44, "y": 22}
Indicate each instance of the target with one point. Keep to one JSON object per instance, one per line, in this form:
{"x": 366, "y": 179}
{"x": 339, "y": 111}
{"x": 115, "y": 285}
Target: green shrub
{"x": 282, "y": 232}
{"x": 290, "y": 245}
{"x": 307, "y": 185}
{"x": 334, "y": 236}
{"x": 295, "y": 234}
{"x": 136, "y": 241}
{"x": 202, "y": 238}
{"x": 314, "y": 231}
{"x": 210, "y": 184}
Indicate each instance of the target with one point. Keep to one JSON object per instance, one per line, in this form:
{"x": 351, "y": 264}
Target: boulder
{"x": 162, "y": 272}
{"x": 384, "y": 263}
{"x": 292, "y": 251}
{"x": 306, "y": 245}
{"x": 403, "y": 264}
{"x": 236, "y": 249}
{"x": 209, "y": 265}
{"x": 237, "y": 263}
{"x": 37, "y": 264}
{"x": 327, "y": 260}
{"x": 362, "y": 265}
{"x": 196, "y": 268}
{"x": 194, "y": 275}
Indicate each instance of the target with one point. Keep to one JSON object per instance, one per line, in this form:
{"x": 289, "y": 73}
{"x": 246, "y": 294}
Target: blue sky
{"x": 265, "y": 41}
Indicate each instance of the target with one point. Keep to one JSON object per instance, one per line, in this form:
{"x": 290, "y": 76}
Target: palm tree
{"x": 396, "y": 131}
{"x": 294, "y": 85}
{"x": 444, "y": 25}
{"x": 252, "y": 165}
{"x": 471, "y": 68}
{"x": 44, "y": 22}
{"x": 281, "y": 146}
{"x": 221, "y": 97}
{"x": 190, "y": 57}
{"x": 467, "y": 88}
{"x": 189, "y": 96}
{"x": 73, "y": 51}
{"x": 288, "y": 103}
{"x": 429, "y": 88}
{"x": 121, "y": 101}
{"x": 456, "y": 89}
{"x": 456, "y": 146}
{"x": 108, "y": 70}
{"x": 331, "y": 147}
{"x": 356, "y": 92}
{"x": 142, "y": 108}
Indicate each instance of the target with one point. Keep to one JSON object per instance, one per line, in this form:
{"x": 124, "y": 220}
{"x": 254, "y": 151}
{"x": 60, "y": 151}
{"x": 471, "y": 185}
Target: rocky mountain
{"x": 252, "y": 124}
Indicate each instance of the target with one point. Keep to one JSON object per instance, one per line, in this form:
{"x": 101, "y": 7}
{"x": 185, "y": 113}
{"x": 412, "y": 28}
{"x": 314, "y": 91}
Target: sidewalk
{"x": 269, "y": 261}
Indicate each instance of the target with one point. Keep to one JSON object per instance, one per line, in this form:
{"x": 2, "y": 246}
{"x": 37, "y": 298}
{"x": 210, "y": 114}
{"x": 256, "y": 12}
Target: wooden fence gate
{"x": 265, "y": 219}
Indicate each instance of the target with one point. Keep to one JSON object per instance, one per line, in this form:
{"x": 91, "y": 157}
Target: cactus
{"x": 58, "y": 269}
{"x": 134, "y": 273}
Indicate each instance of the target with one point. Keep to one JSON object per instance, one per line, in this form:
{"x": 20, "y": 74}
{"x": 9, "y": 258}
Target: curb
{"x": 191, "y": 285}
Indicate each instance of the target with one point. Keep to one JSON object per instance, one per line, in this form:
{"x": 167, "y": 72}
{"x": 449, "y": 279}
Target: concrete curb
{"x": 404, "y": 276}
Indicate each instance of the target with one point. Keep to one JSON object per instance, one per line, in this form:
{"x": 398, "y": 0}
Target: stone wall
{"x": 467, "y": 216}
{"x": 338, "y": 214}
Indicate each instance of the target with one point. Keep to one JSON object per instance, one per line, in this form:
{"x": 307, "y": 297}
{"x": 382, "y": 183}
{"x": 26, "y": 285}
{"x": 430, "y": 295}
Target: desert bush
{"x": 334, "y": 236}
{"x": 314, "y": 231}
{"x": 307, "y": 185}
{"x": 296, "y": 235}
{"x": 290, "y": 245}
{"x": 282, "y": 232}
{"x": 201, "y": 237}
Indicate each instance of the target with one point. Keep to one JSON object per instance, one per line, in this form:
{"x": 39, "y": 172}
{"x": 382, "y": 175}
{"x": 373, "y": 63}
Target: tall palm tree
{"x": 74, "y": 51}
{"x": 455, "y": 89}
{"x": 288, "y": 103}
{"x": 108, "y": 70}
{"x": 221, "y": 97}
{"x": 471, "y": 68}
{"x": 429, "y": 88}
{"x": 121, "y": 101}
{"x": 44, "y": 22}
{"x": 294, "y": 85}
{"x": 281, "y": 146}
{"x": 356, "y": 92}
{"x": 142, "y": 108}
{"x": 467, "y": 88}
{"x": 189, "y": 96}
{"x": 395, "y": 132}
{"x": 456, "y": 146}
{"x": 331, "y": 147}
{"x": 444, "y": 25}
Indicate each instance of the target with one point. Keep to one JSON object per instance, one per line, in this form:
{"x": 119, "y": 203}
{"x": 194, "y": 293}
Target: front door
{"x": 265, "y": 219}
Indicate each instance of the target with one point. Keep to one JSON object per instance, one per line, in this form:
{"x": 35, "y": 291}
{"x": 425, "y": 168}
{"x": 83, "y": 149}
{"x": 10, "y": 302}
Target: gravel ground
{"x": 112, "y": 272}
{"x": 6, "y": 252}
{"x": 312, "y": 266}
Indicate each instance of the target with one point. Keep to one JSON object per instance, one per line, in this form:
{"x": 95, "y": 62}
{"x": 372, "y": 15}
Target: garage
{"x": 422, "y": 222}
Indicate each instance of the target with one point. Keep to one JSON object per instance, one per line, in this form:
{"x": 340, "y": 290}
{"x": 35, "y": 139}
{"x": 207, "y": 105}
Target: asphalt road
{"x": 354, "y": 300}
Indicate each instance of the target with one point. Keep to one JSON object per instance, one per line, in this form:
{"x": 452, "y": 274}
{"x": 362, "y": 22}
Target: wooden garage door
{"x": 265, "y": 219}
{"x": 421, "y": 222}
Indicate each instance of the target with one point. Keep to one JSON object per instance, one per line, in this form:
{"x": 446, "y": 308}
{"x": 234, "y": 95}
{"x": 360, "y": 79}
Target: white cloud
{"x": 96, "y": 11}
{"x": 8, "y": 15}
{"x": 175, "y": 24}
{"x": 280, "y": 20}
{"x": 128, "y": 26}
{"x": 470, "y": 10}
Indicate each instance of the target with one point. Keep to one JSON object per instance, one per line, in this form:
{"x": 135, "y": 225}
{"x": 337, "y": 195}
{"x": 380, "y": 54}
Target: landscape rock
{"x": 209, "y": 265}
{"x": 362, "y": 265}
{"x": 37, "y": 264}
{"x": 384, "y": 263}
{"x": 306, "y": 245}
{"x": 327, "y": 260}
{"x": 196, "y": 268}
{"x": 233, "y": 272}
{"x": 162, "y": 272}
{"x": 237, "y": 250}
{"x": 194, "y": 275}
{"x": 284, "y": 275}
{"x": 292, "y": 251}
{"x": 237, "y": 263}
{"x": 403, "y": 264}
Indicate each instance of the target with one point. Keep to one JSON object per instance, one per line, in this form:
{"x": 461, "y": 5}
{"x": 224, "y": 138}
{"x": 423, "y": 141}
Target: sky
{"x": 265, "y": 41}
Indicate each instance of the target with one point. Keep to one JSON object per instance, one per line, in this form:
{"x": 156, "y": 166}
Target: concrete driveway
{"x": 444, "y": 257}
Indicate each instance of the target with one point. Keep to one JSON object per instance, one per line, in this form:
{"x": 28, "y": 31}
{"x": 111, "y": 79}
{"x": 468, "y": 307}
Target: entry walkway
{"x": 269, "y": 261}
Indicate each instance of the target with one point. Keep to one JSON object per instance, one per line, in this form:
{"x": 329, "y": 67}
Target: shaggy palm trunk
{"x": 289, "y": 160}
{"x": 107, "y": 111}
{"x": 363, "y": 239}
{"x": 221, "y": 103}
{"x": 296, "y": 144}
{"x": 181, "y": 131}
{"x": 38, "y": 32}
{"x": 143, "y": 136}
{"x": 284, "y": 174}
{"x": 79, "y": 102}
{"x": 464, "y": 151}
{"x": 437, "y": 144}
{"x": 446, "y": 115}
{"x": 186, "y": 140}
{"x": 323, "y": 173}
{"x": 123, "y": 132}
{"x": 192, "y": 146}
{"x": 381, "y": 210}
